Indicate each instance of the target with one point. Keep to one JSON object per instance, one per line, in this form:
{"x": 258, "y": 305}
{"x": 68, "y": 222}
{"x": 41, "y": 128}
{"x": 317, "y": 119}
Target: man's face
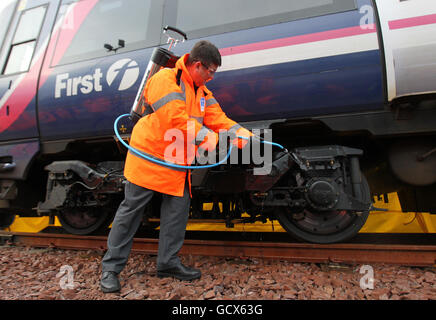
{"x": 203, "y": 73}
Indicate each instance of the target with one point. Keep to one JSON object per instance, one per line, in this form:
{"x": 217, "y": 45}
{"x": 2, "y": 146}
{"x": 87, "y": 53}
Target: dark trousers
{"x": 173, "y": 219}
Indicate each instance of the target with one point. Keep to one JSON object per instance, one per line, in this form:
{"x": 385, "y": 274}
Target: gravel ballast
{"x": 53, "y": 274}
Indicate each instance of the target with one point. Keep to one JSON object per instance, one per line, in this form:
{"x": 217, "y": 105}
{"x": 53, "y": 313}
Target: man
{"x": 180, "y": 101}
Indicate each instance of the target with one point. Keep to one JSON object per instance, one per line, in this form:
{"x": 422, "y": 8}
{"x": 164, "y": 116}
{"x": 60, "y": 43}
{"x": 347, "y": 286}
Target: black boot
{"x": 109, "y": 282}
{"x": 180, "y": 272}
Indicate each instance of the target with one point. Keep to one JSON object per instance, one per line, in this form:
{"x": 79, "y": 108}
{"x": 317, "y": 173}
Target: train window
{"x": 214, "y": 17}
{"x": 20, "y": 57}
{"x": 30, "y": 24}
{"x": 89, "y": 25}
{"x": 24, "y": 40}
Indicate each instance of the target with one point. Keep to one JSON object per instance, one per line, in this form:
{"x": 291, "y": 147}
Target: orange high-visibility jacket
{"x": 180, "y": 115}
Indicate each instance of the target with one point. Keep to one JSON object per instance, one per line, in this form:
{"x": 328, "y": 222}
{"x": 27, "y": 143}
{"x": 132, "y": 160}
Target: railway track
{"x": 346, "y": 253}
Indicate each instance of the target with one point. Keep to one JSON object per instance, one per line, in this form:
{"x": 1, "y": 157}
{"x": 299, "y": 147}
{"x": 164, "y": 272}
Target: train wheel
{"x": 324, "y": 226}
{"x": 81, "y": 221}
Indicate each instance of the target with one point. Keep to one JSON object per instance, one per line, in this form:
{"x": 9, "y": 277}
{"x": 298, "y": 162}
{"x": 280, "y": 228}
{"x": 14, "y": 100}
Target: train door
{"x": 20, "y": 61}
{"x": 409, "y": 37}
{"x": 22, "y": 52}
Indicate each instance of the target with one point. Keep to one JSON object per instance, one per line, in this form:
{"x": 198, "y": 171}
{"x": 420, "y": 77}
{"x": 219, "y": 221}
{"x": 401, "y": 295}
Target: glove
{"x": 241, "y": 143}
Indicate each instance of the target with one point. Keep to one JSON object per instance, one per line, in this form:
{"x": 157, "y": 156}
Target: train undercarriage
{"x": 317, "y": 194}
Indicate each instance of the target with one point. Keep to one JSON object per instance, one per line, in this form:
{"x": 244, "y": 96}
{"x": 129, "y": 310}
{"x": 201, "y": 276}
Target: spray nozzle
{"x": 174, "y": 36}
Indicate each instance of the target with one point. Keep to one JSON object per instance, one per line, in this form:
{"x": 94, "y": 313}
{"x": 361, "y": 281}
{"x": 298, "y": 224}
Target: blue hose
{"x": 144, "y": 156}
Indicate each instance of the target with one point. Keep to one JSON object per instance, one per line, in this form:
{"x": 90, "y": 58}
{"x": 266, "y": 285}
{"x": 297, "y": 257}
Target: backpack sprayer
{"x": 162, "y": 58}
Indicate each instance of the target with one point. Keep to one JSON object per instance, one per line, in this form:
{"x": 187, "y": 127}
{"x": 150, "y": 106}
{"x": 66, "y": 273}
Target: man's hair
{"x": 205, "y": 52}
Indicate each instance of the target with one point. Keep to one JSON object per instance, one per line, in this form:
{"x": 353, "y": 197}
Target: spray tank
{"x": 160, "y": 58}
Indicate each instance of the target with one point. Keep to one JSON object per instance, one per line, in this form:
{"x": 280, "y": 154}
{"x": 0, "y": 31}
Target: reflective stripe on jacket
{"x": 169, "y": 133}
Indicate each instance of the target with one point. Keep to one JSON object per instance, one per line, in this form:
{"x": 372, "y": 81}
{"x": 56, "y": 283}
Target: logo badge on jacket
{"x": 202, "y": 104}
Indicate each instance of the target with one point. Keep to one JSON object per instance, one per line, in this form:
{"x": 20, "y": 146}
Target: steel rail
{"x": 406, "y": 255}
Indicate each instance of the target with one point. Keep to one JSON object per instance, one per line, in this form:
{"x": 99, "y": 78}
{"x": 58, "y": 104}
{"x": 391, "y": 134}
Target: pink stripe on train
{"x": 412, "y": 22}
{"x": 306, "y": 38}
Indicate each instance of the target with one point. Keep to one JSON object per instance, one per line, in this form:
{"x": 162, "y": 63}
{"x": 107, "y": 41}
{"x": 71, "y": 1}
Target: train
{"x": 347, "y": 86}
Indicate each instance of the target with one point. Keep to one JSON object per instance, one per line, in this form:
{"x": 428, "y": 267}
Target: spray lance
{"x": 162, "y": 58}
